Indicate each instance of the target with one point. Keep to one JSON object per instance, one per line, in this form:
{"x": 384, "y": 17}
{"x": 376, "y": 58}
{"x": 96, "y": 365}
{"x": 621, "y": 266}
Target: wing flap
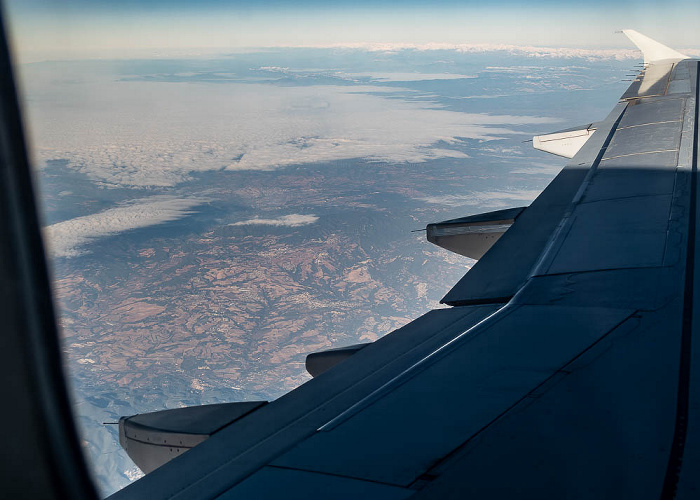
{"x": 293, "y": 484}
{"x": 587, "y": 433}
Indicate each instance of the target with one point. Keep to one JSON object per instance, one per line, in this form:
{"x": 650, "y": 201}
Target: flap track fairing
{"x": 474, "y": 235}
{"x": 564, "y": 143}
{"x": 153, "y": 439}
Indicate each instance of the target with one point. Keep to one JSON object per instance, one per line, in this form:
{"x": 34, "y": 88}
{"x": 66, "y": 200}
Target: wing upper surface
{"x": 563, "y": 368}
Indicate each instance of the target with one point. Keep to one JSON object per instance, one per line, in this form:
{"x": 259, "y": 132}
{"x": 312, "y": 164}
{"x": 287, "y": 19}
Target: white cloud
{"x": 478, "y": 48}
{"x": 486, "y": 199}
{"x": 379, "y": 76}
{"x": 293, "y": 220}
{"x": 538, "y": 169}
{"x": 66, "y": 239}
{"x": 597, "y": 54}
{"x": 133, "y": 133}
{"x": 408, "y": 77}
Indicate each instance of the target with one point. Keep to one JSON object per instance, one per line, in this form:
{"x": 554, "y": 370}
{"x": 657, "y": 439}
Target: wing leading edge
{"x": 564, "y": 367}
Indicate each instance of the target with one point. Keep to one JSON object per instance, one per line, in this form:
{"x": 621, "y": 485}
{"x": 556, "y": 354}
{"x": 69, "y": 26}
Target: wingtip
{"x": 651, "y": 49}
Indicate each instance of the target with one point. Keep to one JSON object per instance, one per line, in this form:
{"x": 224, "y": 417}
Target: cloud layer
{"x": 66, "y": 239}
{"x": 482, "y": 48}
{"x": 511, "y": 49}
{"x": 136, "y": 133}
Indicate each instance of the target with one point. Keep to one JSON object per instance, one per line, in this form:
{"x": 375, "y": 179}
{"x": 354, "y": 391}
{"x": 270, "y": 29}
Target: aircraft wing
{"x": 568, "y": 365}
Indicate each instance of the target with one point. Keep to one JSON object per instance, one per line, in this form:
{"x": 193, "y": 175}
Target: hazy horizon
{"x": 74, "y": 29}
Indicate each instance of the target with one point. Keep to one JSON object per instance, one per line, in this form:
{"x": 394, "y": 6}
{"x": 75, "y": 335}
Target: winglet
{"x": 651, "y": 49}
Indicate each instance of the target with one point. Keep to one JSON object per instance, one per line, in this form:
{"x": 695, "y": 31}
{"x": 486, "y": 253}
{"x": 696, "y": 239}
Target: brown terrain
{"x": 173, "y": 319}
{"x": 235, "y": 313}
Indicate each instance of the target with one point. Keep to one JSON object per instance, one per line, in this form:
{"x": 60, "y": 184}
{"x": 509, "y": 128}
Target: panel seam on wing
{"x": 641, "y": 153}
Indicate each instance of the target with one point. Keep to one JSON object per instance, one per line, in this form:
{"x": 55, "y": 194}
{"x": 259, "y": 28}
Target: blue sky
{"x": 71, "y": 28}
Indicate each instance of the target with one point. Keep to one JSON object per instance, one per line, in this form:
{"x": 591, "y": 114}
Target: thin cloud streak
{"x": 485, "y": 199}
{"x": 292, "y": 220}
{"x": 407, "y": 77}
{"x": 67, "y": 238}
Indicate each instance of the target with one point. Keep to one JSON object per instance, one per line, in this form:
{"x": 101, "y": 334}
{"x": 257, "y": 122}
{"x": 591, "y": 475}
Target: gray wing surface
{"x": 566, "y": 366}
